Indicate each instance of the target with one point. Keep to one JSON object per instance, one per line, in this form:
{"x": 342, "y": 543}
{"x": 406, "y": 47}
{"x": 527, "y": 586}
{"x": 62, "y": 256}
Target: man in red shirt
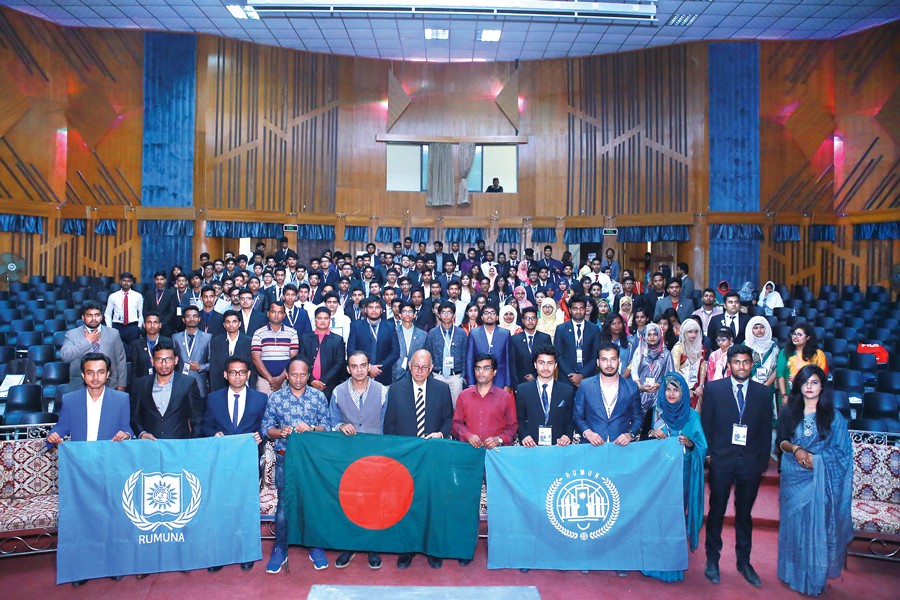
{"x": 485, "y": 414}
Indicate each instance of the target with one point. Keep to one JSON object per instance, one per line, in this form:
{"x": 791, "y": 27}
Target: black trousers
{"x": 128, "y": 333}
{"x": 746, "y": 486}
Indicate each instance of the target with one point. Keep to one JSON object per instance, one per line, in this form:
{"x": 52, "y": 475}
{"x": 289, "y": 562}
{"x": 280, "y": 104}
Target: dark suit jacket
{"x": 718, "y": 322}
{"x": 425, "y": 320}
{"x": 301, "y": 322}
{"x": 140, "y": 356}
{"x": 183, "y": 416}
{"x": 637, "y": 301}
{"x": 218, "y": 359}
{"x": 478, "y": 343}
{"x": 217, "y": 418}
{"x": 650, "y": 301}
{"x": 530, "y": 410}
{"x": 564, "y": 342}
{"x": 350, "y": 311}
{"x": 720, "y": 413}
{"x": 257, "y": 320}
{"x": 400, "y": 412}
{"x": 166, "y": 308}
{"x": 332, "y": 357}
{"x": 213, "y": 325}
{"x": 387, "y": 346}
{"x": 114, "y": 415}
{"x": 521, "y": 361}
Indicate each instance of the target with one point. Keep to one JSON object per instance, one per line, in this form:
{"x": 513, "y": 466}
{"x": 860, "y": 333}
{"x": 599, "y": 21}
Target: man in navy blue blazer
{"x": 490, "y": 339}
{"x": 577, "y": 342}
{"x": 544, "y": 404}
{"x": 377, "y": 339}
{"x": 94, "y": 412}
{"x": 608, "y": 406}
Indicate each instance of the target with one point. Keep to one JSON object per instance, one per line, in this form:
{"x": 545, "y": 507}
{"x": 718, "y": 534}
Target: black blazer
{"x": 400, "y": 413}
{"x": 521, "y": 361}
{"x": 718, "y": 322}
{"x": 530, "y": 411}
{"x": 166, "y": 309}
{"x": 564, "y": 341}
{"x": 333, "y": 362}
{"x": 213, "y": 325}
{"x": 218, "y": 359}
{"x": 720, "y": 413}
{"x": 183, "y": 416}
{"x": 140, "y": 357}
{"x": 257, "y": 320}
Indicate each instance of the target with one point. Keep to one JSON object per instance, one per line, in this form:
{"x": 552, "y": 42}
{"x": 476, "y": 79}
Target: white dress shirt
{"x": 242, "y": 403}
{"x": 94, "y": 408}
{"x": 115, "y": 312}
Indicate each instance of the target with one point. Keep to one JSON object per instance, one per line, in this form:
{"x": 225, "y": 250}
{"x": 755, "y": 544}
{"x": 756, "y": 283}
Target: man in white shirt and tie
{"x": 125, "y": 311}
{"x": 340, "y": 323}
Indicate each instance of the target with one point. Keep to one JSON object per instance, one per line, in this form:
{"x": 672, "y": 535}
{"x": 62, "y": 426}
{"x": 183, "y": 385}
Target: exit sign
{"x": 610, "y": 232}
{"x": 291, "y": 228}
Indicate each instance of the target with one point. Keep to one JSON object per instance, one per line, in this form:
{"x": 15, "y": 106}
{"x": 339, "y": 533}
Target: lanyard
{"x": 190, "y": 349}
{"x": 374, "y": 329}
{"x": 741, "y": 410}
{"x": 448, "y": 338}
{"x": 579, "y": 335}
{"x": 291, "y": 316}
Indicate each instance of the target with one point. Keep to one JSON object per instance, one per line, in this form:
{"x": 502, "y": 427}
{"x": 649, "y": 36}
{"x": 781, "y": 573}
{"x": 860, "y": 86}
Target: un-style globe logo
{"x": 583, "y": 507}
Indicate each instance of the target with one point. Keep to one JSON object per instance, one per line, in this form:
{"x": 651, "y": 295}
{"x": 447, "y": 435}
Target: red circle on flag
{"x": 376, "y": 492}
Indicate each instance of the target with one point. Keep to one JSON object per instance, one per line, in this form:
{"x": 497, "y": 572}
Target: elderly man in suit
{"x": 94, "y": 412}
{"x": 419, "y": 405}
{"x": 544, "y": 405}
{"x": 493, "y": 340}
{"x": 231, "y": 344}
{"x": 577, "y": 342}
{"x": 95, "y": 337}
{"x": 377, "y": 339}
{"x": 192, "y": 347}
{"x": 410, "y": 337}
{"x": 608, "y": 406}
{"x": 166, "y": 405}
{"x": 737, "y": 421}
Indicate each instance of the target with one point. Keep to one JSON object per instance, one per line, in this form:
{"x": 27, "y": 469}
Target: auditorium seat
{"x": 831, "y": 298}
{"x": 52, "y": 327}
{"x": 772, "y": 320}
{"x": 25, "y": 398}
{"x": 868, "y": 425}
{"x": 820, "y": 333}
{"x": 22, "y": 366}
{"x": 808, "y": 313}
{"x": 782, "y": 313}
{"x": 78, "y": 297}
{"x": 35, "y": 279}
{"x": 888, "y": 381}
{"x": 829, "y": 364}
{"x": 38, "y": 418}
{"x": 794, "y": 303}
{"x": 40, "y": 315}
{"x": 59, "y": 339}
{"x": 849, "y": 289}
{"x": 7, "y": 354}
{"x": 866, "y": 364}
{"x": 880, "y": 405}
{"x": 827, "y": 323}
{"x": 837, "y": 313}
{"x": 756, "y": 311}
{"x": 782, "y": 333}
{"x": 71, "y": 315}
{"x": 848, "y": 333}
{"x": 849, "y": 381}
{"x": 868, "y": 315}
{"x": 842, "y": 403}
{"x": 62, "y": 390}
{"x": 49, "y": 297}
{"x": 27, "y": 339}
{"x": 874, "y": 290}
{"x": 102, "y": 297}
{"x": 820, "y": 305}
{"x": 41, "y": 355}
{"x": 54, "y": 375}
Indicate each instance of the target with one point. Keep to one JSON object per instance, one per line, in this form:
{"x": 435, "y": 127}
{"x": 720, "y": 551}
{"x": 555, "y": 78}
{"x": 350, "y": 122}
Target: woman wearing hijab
{"x": 625, "y": 311}
{"x": 688, "y": 358}
{"x": 769, "y": 299}
{"x": 522, "y": 272}
{"x": 651, "y": 361}
{"x": 548, "y": 317}
{"x": 816, "y": 485}
{"x": 521, "y": 297}
{"x": 758, "y": 337}
{"x": 508, "y": 320}
{"x": 603, "y": 312}
{"x": 673, "y": 416}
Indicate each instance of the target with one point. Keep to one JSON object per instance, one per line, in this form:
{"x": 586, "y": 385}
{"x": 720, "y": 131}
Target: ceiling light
{"x": 243, "y": 12}
{"x": 437, "y": 34}
{"x": 682, "y": 20}
{"x": 489, "y": 35}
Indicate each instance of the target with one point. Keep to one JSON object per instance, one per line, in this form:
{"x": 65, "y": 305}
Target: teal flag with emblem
{"x": 147, "y": 507}
{"x": 583, "y": 507}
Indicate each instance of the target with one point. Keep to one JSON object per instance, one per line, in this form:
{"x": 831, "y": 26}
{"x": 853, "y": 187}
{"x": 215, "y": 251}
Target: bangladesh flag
{"x": 383, "y": 493}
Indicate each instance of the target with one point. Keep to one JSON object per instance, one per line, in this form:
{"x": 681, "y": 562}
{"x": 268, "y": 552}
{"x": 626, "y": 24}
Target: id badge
{"x": 579, "y": 356}
{"x": 403, "y": 364}
{"x": 178, "y": 311}
{"x": 448, "y": 362}
{"x": 693, "y": 379}
{"x": 545, "y": 436}
{"x": 150, "y": 371}
{"x": 186, "y": 369}
{"x": 739, "y": 435}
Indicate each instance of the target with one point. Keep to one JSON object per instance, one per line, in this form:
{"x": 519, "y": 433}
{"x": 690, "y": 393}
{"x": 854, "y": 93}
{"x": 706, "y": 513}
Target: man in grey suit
{"x": 411, "y": 339}
{"x": 684, "y": 307}
{"x": 687, "y": 284}
{"x": 94, "y": 337}
{"x": 192, "y": 349}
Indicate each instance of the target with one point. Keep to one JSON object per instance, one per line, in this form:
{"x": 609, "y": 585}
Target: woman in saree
{"x": 815, "y": 485}
{"x": 673, "y": 416}
{"x": 651, "y": 361}
{"x": 689, "y": 360}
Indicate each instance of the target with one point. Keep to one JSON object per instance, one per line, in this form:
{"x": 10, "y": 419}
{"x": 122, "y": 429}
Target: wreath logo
{"x": 583, "y": 508}
{"x": 161, "y": 495}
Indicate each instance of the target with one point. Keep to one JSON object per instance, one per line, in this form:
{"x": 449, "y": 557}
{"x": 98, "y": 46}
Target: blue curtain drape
{"x": 732, "y": 231}
{"x": 356, "y": 233}
{"x": 420, "y": 234}
{"x": 314, "y": 232}
{"x": 165, "y": 227}
{"x": 388, "y": 235}
{"x": 877, "y": 231}
{"x": 821, "y": 233}
{"x": 464, "y": 235}
{"x": 582, "y": 235}
{"x": 74, "y": 226}
{"x": 21, "y": 223}
{"x": 543, "y": 235}
{"x": 227, "y": 229}
{"x": 106, "y": 227}
{"x": 654, "y": 233}
{"x": 508, "y": 235}
{"x": 735, "y": 261}
{"x": 786, "y": 233}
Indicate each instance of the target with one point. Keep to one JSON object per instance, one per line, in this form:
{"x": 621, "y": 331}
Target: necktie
{"x": 234, "y": 414}
{"x": 740, "y": 397}
{"x": 545, "y": 401}
{"x": 578, "y": 334}
{"x": 733, "y": 326}
{"x": 95, "y": 346}
{"x": 151, "y": 344}
{"x": 420, "y": 413}
{"x": 332, "y": 322}
{"x": 530, "y": 342}
{"x": 190, "y": 345}
{"x": 125, "y": 310}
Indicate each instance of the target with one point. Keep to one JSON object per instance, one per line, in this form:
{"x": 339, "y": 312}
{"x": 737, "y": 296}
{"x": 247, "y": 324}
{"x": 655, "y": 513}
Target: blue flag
{"x": 583, "y": 507}
{"x": 147, "y": 507}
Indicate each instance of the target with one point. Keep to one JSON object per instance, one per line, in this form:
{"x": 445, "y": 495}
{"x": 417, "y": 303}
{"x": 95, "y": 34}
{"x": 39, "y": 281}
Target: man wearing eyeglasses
{"x": 167, "y": 404}
{"x": 234, "y": 410}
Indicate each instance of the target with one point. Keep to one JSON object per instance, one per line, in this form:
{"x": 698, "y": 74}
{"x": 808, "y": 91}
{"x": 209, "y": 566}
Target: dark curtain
{"x": 786, "y": 233}
{"x": 582, "y": 235}
{"x": 315, "y": 232}
{"x": 877, "y": 231}
{"x": 21, "y": 223}
{"x": 821, "y": 233}
{"x": 543, "y": 235}
{"x": 735, "y": 261}
{"x": 161, "y": 252}
{"x": 464, "y": 235}
{"x": 166, "y": 227}
{"x": 388, "y": 235}
{"x": 420, "y": 234}
{"x": 227, "y": 229}
{"x": 106, "y": 227}
{"x": 730, "y": 231}
{"x": 74, "y": 226}
{"x": 356, "y": 233}
{"x": 508, "y": 235}
{"x": 654, "y": 233}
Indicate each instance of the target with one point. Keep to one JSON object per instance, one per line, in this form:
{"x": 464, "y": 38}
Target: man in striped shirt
{"x": 272, "y": 348}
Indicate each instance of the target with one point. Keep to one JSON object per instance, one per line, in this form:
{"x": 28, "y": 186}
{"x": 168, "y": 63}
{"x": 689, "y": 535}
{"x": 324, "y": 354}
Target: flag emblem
{"x": 585, "y": 507}
{"x": 161, "y": 497}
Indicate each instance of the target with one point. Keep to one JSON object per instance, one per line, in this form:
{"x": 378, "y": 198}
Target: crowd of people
{"x": 487, "y": 350}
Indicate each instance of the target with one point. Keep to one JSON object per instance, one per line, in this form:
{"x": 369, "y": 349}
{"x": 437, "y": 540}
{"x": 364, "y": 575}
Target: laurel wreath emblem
{"x": 143, "y": 524}
{"x": 550, "y": 507}
{"x": 551, "y": 510}
{"x": 613, "y": 513}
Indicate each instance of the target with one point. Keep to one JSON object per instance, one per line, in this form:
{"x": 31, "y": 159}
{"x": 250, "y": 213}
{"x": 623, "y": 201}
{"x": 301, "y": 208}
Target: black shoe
{"x": 117, "y": 578}
{"x": 140, "y": 576}
{"x": 214, "y": 569}
{"x": 750, "y": 575}
{"x": 375, "y": 560}
{"x": 404, "y": 560}
{"x": 344, "y": 559}
{"x": 622, "y": 573}
{"x": 435, "y": 563}
{"x": 464, "y": 561}
{"x": 523, "y": 570}
{"x": 79, "y": 583}
{"x": 246, "y": 566}
{"x": 712, "y": 572}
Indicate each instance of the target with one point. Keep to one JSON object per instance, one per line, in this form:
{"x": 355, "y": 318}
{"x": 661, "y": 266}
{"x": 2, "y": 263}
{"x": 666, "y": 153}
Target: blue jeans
{"x": 280, "y": 516}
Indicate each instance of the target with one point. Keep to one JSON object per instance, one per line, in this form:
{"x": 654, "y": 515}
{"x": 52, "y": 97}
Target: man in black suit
{"x": 222, "y": 348}
{"x": 732, "y": 318}
{"x": 166, "y": 405}
{"x": 326, "y": 352}
{"x": 210, "y": 320}
{"x": 577, "y": 342}
{"x": 737, "y": 421}
{"x": 250, "y": 319}
{"x": 377, "y": 339}
{"x": 656, "y": 291}
{"x": 544, "y": 405}
{"x": 522, "y": 347}
{"x": 419, "y": 405}
{"x": 142, "y": 348}
{"x": 162, "y": 300}
{"x": 438, "y": 256}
